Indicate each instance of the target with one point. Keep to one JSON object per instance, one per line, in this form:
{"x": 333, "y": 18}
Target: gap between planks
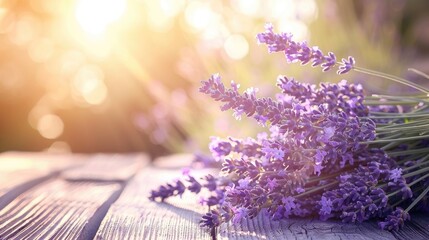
{"x": 53, "y": 220}
{"x": 117, "y": 207}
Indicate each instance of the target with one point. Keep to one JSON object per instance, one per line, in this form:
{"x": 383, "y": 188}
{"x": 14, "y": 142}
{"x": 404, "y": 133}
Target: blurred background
{"x": 123, "y": 75}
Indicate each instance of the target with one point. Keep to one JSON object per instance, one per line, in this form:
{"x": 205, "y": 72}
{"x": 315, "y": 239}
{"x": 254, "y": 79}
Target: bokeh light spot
{"x": 89, "y": 84}
{"x": 236, "y": 46}
{"x": 24, "y": 30}
{"x": 248, "y": 7}
{"x": 50, "y": 126}
{"x": 199, "y": 15}
{"x": 41, "y": 50}
{"x": 171, "y": 8}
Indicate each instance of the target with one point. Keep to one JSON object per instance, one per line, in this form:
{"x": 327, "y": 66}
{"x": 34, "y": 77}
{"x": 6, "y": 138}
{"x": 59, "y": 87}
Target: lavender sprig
{"x": 301, "y": 52}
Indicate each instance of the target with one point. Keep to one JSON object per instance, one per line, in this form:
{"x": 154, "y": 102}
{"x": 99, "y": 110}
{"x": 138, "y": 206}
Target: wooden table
{"x": 104, "y": 196}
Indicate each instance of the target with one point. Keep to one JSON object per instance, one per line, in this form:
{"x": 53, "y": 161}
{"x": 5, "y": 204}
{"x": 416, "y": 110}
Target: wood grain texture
{"x": 55, "y": 210}
{"x": 417, "y": 228}
{"x": 17, "y": 167}
{"x": 262, "y": 228}
{"x": 107, "y": 167}
{"x": 133, "y": 216}
{"x": 105, "y": 197}
{"x": 21, "y": 171}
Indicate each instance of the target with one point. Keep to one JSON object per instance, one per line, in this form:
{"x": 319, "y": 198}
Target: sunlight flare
{"x": 94, "y": 16}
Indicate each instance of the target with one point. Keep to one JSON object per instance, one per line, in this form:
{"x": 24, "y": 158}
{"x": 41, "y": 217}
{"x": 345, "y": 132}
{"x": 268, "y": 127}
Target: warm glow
{"x": 236, "y": 46}
{"x": 296, "y": 27}
{"x": 59, "y": 147}
{"x": 50, "y": 126}
{"x": 40, "y": 50}
{"x": 248, "y": 7}
{"x": 89, "y": 84}
{"x": 94, "y": 16}
{"x": 199, "y": 15}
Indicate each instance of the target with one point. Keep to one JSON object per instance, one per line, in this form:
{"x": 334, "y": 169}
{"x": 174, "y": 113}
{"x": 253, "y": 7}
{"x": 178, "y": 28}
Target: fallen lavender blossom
{"x": 328, "y": 151}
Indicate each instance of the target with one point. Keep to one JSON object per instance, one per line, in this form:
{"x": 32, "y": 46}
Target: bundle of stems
{"x": 330, "y": 151}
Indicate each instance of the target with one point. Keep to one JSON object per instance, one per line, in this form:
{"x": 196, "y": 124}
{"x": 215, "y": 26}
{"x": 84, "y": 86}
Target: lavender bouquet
{"x": 329, "y": 151}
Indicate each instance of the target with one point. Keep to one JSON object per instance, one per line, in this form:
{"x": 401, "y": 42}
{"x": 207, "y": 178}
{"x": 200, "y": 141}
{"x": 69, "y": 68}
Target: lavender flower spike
{"x": 395, "y": 220}
{"x": 275, "y": 42}
{"x": 301, "y": 52}
{"x": 346, "y": 65}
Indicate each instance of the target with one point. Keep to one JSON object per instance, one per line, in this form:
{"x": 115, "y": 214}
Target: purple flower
{"x": 317, "y": 169}
{"x": 272, "y": 152}
{"x": 272, "y": 184}
{"x": 186, "y": 171}
{"x": 238, "y": 113}
{"x": 395, "y": 174}
{"x": 239, "y": 214}
{"x": 275, "y": 42}
{"x": 328, "y": 133}
{"x": 168, "y": 190}
{"x": 195, "y": 185}
{"x": 251, "y": 92}
{"x": 219, "y": 148}
{"x": 326, "y": 208}
{"x": 211, "y": 219}
{"x": 204, "y": 160}
{"x": 346, "y": 66}
{"x": 300, "y": 51}
{"x": 299, "y": 190}
{"x": 211, "y": 184}
{"x": 244, "y": 183}
{"x": 289, "y": 205}
{"x": 395, "y": 220}
{"x": 330, "y": 61}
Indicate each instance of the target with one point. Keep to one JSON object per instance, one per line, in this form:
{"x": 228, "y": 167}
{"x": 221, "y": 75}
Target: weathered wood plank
{"x": 262, "y": 228}
{"x": 133, "y": 216}
{"x": 417, "y": 228}
{"x": 22, "y": 171}
{"x": 19, "y": 167}
{"x": 73, "y": 203}
{"x": 99, "y": 200}
{"x": 107, "y": 167}
{"x": 56, "y": 209}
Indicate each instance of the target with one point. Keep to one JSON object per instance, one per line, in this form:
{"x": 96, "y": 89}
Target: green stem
{"x": 423, "y": 170}
{"x": 316, "y": 189}
{"x": 393, "y": 78}
{"x": 398, "y": 202}
{"x": 423, "y": 162}
{"x": 376, "y": 103}
{"x": 419, "y": 72}
{"x": 418, "y": 180}
{"x": 393, "y": 136}
{"x": 401, "y": 115}
{"x": 397, "y": 139}
{"x": 403, "y": 128}
{"x": 408, "y": 152}
{"x": 390, "y": 145}
{"x": 312, "y": 180}
{"x": 399, "y": 133}
{"x": 409, "y": 185}
{"x": 404, "y": 124}
{"x": 417, "y": 199}
{"x": 411, "y": 158}
{"x": 381, "y": 96}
